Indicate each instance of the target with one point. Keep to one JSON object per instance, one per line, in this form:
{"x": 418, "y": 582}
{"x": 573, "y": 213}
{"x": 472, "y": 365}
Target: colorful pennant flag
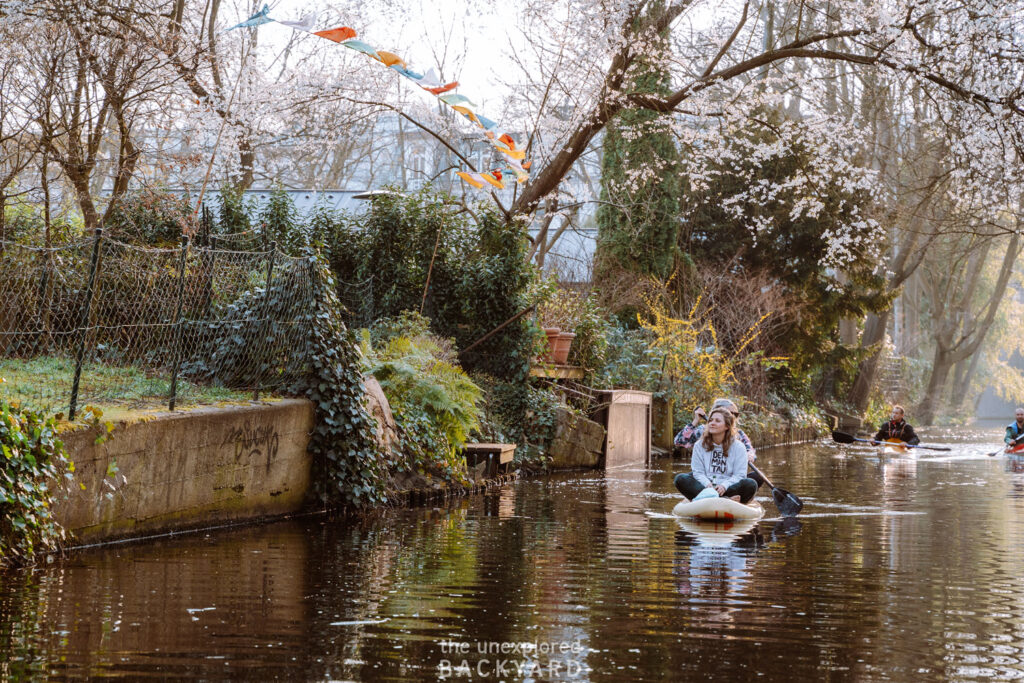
{"x": 477, "y": 180}
{"x": 255, "y": 20}
{"x": 306, "y": 23}
{"x": 338, "y": 35}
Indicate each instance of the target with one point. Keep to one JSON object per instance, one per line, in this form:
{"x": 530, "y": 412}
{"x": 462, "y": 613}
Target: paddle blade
{"x": 788, "y": 504}
{"x": 840, "y": 437}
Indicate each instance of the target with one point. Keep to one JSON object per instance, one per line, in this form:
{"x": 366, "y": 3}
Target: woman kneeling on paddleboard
{"x": 719, "y": 462}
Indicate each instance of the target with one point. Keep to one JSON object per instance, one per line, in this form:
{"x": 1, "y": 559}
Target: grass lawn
{"x": 44, "y": 384}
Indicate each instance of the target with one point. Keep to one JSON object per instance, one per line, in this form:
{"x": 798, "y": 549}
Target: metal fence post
{"x": 179, "y": 322}
{"x": 43, "y": 306}
{"x": 86, "y": 313}
{"x": 266, "y": 304}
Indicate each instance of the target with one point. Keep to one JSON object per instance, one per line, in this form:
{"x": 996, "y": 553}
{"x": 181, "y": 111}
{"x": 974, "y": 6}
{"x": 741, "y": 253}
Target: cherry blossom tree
{"x": 967, "y": 60}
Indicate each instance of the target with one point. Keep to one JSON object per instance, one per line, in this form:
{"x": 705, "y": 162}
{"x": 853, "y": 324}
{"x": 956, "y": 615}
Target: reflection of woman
{"x": 719, "y": 462}
{"x": 713, "y": 559}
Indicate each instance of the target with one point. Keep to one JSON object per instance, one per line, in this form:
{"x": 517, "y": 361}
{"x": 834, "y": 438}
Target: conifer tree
{"x": 639, "y": 216}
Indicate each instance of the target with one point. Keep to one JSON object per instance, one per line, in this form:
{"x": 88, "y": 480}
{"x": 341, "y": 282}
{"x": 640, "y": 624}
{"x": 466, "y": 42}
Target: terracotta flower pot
{"x": 562, "y": 345}
{"x": 552, "y": 333}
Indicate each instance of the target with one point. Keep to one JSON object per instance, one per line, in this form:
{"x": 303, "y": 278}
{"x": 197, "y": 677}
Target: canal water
{"x": 897, "y": 569}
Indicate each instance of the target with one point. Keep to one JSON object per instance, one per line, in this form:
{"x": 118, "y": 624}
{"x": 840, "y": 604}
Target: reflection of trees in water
{"x": 120, "y": 610}
{"x": 23, "y": 609}
{"x": 460, "y": 573}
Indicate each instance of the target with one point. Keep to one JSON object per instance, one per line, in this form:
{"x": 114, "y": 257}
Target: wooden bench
{"x": 494, "y": 454}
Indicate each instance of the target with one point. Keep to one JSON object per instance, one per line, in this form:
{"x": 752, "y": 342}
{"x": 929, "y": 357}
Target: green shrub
{"x": 24, "y": 224}
{"x": 32, "y": 458}
{"x": 150, "y": 218}
{"x": 233, "y": 211}
{"x": 280, "y": 222}
{"x": 520, "y": 413}
{"x": 478, "y": 273}
{"x": 632, "y": 362}
{"x": 434, "y": 402}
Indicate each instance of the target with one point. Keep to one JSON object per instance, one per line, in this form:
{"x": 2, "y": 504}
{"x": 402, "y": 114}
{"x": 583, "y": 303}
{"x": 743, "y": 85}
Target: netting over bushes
{"x": 223, "y": 319}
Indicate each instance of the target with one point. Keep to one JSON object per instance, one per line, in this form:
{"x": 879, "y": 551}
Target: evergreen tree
{"x": 638, "y": 220}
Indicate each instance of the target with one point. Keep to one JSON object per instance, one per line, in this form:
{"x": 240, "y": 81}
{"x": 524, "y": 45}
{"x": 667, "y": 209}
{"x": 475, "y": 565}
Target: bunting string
{"x": 503, "y": 142}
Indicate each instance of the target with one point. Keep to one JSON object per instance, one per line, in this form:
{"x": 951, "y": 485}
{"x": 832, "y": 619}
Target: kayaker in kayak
{"x": 693, "y": 431}
{"x": 719, "y": 462}
{"x": 1014, "y": 430}
{"x": 897, "y": 428}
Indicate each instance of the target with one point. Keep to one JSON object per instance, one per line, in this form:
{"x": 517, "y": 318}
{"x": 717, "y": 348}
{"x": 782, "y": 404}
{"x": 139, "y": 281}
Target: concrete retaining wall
{"x": 187, "y": 469}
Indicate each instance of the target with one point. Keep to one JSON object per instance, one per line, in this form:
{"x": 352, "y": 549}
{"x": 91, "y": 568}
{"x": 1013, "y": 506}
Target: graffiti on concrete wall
{"x": 253, "y": 441}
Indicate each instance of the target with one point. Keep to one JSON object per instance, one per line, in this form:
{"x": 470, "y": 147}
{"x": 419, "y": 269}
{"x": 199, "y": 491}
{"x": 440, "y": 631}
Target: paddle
{"x": 840, "y": 437}
{"x": 788, "y": 504}
{"x": 1003, "y": 449}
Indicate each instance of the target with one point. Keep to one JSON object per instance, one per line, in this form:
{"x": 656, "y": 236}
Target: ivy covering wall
{"x": 33, "y": 457}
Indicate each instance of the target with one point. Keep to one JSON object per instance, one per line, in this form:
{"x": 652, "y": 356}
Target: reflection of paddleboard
{"x": 718, "y": 509}
{"x": 720, "y": 533}
{"x": 897, "y": 447}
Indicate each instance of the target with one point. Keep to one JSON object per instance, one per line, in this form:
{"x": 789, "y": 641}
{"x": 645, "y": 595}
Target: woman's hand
{"x": 698, "y": 415}
{"x": 720, "y": 489}
{"x": 751, "y": 458}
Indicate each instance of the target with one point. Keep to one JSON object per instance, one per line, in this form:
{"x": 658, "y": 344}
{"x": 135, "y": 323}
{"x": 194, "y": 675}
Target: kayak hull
{"x": 894, "y": 447}
{"x": 718, "y": 510}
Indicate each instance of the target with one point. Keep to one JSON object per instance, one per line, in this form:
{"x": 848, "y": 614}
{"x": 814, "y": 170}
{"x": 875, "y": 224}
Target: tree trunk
{"x": 959, "y": 338}
{"x": 962, "y": 381}
{"x": 903, "y": 265}
{"x": 929, "y": 407}
{"x": 874, "y": 333}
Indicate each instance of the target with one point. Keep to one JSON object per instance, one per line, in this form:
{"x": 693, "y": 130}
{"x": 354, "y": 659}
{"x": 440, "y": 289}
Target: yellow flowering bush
{"x": 695, "y": 364}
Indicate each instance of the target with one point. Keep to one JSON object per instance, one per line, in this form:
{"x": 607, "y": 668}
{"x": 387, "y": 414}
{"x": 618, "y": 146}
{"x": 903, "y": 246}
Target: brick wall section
{"x": 187, "y": 469}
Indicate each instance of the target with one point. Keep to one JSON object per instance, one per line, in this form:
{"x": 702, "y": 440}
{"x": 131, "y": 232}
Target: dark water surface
{"x": 897, "y": 569}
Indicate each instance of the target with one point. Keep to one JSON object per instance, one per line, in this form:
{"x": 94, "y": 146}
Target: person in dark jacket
{"x": 897, "y": 428}
{"x": 1014, "y": 430}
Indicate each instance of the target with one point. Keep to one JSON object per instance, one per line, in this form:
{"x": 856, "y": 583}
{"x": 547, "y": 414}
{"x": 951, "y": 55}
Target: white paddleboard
{"x": 718, "y": 509}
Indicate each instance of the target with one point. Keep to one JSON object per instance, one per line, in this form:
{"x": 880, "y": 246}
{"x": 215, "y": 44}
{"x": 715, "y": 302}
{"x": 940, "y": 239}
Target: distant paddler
{"x": 896, "y": 429}
{"x": 1015, "y": 432}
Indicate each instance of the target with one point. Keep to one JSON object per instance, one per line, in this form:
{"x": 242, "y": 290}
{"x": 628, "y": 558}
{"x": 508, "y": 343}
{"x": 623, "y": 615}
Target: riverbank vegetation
{"x": 32, "y": 461}
{"x": 823, "y": 214}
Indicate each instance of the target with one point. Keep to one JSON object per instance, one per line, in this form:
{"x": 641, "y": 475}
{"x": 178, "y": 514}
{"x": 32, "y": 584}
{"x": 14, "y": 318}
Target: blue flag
{"x": 255, "y": 20}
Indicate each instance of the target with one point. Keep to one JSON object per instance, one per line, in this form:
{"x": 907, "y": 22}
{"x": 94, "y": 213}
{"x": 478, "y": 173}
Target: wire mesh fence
{"x": 105, "y": 322}
{"x": 357, "y": 301}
